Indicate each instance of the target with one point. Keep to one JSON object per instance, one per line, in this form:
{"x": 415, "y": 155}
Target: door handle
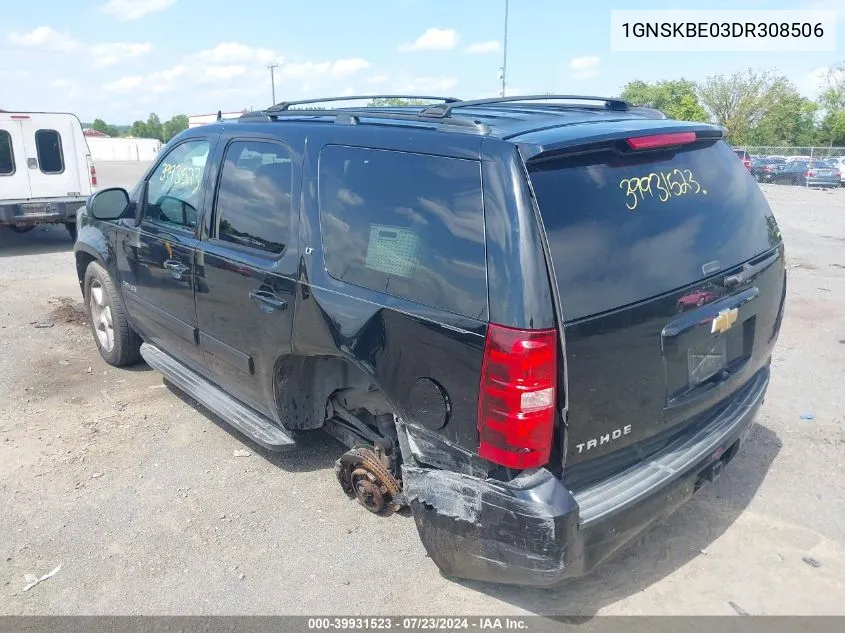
{"x": 267, "y": 301}
{"x": 176, "y": 268}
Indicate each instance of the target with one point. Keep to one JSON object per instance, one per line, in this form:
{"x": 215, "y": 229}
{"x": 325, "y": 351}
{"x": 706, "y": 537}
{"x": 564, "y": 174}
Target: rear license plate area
{"x": 35, "y": 209}
{"x": 706, "y": 359}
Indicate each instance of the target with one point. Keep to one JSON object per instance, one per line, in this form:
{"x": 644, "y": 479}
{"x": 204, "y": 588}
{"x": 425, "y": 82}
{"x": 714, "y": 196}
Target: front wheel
{"x": 118, "y": 343}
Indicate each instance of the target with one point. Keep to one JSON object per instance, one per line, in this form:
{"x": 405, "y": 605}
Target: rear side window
{"x": 625, "y": 229}
{"x": 7, "y": 157}
{"x": 48, "y": 145}
{"x": 410, "y": 225}
{"x": 254, "y": 197}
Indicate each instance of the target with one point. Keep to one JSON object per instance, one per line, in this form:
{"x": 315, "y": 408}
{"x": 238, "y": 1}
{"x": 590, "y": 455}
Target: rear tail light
{"x": 809, "y": 174}
{"x": 661, "y": 140}
{"x": 93, "y": 174}
{"x": 837, "y": 174}
{"x": 517, "y": 396}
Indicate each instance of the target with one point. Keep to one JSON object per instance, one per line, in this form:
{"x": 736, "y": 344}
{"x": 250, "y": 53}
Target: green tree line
{"x": 153, "y": 127}
{"x": 756, "y": 107}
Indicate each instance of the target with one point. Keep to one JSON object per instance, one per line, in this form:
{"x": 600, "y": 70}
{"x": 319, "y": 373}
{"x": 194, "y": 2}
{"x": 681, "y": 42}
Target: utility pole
{"x": 505, "y": 49}
{"x": 272, "y": 68}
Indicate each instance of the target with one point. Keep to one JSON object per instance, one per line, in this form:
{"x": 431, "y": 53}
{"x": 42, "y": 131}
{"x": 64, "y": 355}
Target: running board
{"x": 254, "y": 425}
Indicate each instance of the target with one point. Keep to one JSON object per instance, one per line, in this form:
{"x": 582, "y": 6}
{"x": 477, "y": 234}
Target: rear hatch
{"x": 670, "y": 276}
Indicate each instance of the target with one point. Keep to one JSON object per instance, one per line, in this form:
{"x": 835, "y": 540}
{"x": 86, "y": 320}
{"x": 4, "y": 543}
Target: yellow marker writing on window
{"x": 661, "y": 186}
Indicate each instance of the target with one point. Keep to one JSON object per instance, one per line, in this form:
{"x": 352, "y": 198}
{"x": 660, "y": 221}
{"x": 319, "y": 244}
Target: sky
{"x": 119, "y": 60}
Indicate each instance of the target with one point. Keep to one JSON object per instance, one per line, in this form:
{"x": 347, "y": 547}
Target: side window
{"x": 173, "y": 192}
{"x": 254, "y": 196}
{"x": 48, "y": 145}
{"x": 410, "y": 225}
{"x": 7, "y": 157}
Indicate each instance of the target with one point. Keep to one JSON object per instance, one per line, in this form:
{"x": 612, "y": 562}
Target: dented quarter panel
{"x": 392, "y": 340}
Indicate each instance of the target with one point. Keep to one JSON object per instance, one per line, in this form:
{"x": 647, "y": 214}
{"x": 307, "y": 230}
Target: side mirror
{"x": 109, "y": 204}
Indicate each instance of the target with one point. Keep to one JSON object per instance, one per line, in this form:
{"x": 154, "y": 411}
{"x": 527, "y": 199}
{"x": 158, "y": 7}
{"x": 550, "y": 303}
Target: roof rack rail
{"x": 445, "y": 110}
{"x": 285, "y": 105}
{"x": 352, "y": 116}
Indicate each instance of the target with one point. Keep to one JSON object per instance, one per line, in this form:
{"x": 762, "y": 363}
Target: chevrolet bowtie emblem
{"x": 724, "y": 320}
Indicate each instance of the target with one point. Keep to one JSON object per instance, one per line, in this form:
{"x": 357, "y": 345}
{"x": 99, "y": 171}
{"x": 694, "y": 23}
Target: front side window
{"x": 173, "y": 191}
{"x": 409, "y": 225}
{"x": 254, "y": 196}
{"x": 7, "y": 157}
{"x": 48, "y": 145}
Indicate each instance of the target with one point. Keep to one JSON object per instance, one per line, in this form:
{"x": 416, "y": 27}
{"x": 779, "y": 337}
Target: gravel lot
{"x": 139, "y": 496}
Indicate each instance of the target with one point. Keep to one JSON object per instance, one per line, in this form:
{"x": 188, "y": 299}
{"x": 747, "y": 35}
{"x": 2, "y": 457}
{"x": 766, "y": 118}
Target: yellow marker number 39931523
{"x": 661, "y": 186}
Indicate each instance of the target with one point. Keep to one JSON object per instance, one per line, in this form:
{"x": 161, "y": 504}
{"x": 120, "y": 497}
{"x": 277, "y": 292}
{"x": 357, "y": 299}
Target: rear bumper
{"x": 534, "y": 531}
{"x": 40, "y": 211}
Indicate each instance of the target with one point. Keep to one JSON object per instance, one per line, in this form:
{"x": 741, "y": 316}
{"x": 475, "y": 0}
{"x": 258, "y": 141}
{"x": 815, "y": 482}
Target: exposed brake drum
{"x": 360, "y": 472}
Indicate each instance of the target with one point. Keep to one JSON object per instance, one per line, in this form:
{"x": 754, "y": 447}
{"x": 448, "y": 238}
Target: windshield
{"x": 625, "y": 229}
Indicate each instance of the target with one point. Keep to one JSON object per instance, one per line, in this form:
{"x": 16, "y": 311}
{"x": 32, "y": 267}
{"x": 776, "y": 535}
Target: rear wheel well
{"x": 304, "y": 385}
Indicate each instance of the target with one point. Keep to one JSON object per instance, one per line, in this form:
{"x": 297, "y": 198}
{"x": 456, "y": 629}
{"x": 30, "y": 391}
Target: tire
{"x": 121, "y": 345}
{"x": 71, "y": 228}
{"x": 18, "y": 228}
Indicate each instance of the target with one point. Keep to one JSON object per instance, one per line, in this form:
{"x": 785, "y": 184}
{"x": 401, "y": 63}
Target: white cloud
{"x": 162, "y": 80}
{"x": 234, "y": 53}
{"x": 433, "y": 39}
{"x": 128, "y": 10}
{"x": 337, "y": 68}
{"x": 234, "y": 75}
{"x": 111, "y": 53}
{"x": 483, "y": 48}
{"x": 46, "y": 38}
{"x": 225, "y": 72}
{"x": 585, "y": 67}
{"x": 420, "y": 85}
{"x": 377, "y": 79}
{"x": 303, "y": 69}
{"x": 62, "y": 82}
{"x": 124, "y": 84}
{"x": 344, "y": 67}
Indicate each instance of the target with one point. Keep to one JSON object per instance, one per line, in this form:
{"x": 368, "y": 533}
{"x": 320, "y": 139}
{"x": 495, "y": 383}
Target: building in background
{"x": 106, "y": 148}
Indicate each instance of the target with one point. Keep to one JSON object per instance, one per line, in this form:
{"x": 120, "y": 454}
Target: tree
{"x": 740, "y": 101}
{"x": 154, "y": 127}
{"x": 175, "y": 125}
{"x": 139, "y": 129}
{"x": 676, "y": 98}
{"x": 788, "y": 118}
{"x": 832, "y": 102}
{"x": 105, "y": 128}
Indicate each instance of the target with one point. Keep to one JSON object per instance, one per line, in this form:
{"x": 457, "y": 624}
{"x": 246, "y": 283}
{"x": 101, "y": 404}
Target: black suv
{"x": 540, "y": 322}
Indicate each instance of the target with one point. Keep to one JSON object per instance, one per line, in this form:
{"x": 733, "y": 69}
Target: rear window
{"x": 48, "y": 145}
{"x": 7, "y": 158}
{"x": 625, "y": 229}
{"x": 409, "y": 225}
{"x": 818, "y": 164}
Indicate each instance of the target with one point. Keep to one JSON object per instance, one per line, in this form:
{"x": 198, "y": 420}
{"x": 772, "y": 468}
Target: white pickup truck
{"x": 46, "y": 172}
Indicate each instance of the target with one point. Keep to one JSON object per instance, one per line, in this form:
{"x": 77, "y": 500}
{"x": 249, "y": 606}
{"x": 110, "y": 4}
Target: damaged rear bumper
{"x": 534, "y": 531}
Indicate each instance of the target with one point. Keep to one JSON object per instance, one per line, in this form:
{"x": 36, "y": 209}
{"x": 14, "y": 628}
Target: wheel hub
{"x": 361, "y": 473}
{"x": 101, "y": 315}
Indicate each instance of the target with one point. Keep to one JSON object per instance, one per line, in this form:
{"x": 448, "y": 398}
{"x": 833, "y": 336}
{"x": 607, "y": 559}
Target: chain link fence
{"x": 810, "y": 152}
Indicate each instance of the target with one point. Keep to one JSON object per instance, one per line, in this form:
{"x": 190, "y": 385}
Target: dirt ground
{"x": 138, "y": 496}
